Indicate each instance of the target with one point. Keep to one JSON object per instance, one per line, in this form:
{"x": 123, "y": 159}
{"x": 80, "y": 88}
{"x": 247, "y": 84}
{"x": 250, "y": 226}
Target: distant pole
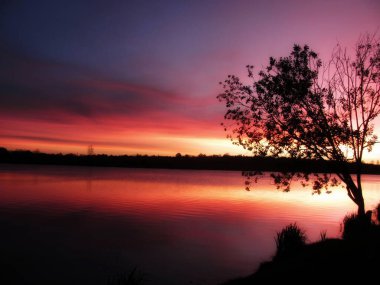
{"x": 90, "y": 150}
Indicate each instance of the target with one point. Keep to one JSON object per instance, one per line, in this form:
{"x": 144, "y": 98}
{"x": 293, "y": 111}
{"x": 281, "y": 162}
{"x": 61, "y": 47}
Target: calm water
{"x": 77, "y": 225}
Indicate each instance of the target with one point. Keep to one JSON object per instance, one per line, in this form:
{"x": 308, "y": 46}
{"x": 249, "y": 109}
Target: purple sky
{"x": 142, "y": 76}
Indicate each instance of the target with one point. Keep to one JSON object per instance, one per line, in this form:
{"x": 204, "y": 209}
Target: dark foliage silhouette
{"x": 289, "y": 240}
{"x": 212, "y": 162}
{"x": 351, "y": 259}
{"x": 359, "y": 228}
{"x": 293, "y": 109}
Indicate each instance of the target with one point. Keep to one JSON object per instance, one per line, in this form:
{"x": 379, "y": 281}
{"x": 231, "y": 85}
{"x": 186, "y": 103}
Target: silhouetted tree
{"x": 296, "y": 108}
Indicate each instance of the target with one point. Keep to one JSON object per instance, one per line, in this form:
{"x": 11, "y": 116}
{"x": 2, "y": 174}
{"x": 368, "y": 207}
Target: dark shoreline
{"x": 201, "y": 162}
{"x": 324, "y": 260}
{"x": 353, "y": 257}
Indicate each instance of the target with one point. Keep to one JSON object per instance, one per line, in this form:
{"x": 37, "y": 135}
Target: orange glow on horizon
{"x": 166, "y": 146}
{"x": 161, "y": 134}
{"x": 116, "y": 142}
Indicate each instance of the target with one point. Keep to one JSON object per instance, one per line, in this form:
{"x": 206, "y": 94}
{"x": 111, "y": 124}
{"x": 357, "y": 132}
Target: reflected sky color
{"x": 142, "y": 76}
{"x": 119, "y": 190}
{"x": 174, "y": 225}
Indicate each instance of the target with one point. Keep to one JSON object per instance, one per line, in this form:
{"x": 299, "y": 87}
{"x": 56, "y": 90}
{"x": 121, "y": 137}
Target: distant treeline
{"x": 201, "y": 162}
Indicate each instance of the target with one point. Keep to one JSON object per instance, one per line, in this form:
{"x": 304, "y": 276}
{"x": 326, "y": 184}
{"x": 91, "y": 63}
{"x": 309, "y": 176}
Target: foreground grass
{"x": 354, "y": 258}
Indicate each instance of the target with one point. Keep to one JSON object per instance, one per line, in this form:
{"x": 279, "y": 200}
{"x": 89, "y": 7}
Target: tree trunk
{"x": 359, "y": 194}
{"x": 361, "y": 206}
{"x": 355, "y": 192}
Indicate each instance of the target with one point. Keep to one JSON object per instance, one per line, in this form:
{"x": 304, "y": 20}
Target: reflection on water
{"x": 73, "y": 225}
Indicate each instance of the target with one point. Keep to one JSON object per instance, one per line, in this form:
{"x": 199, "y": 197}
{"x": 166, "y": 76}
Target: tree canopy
{"x": 301, "y": 108}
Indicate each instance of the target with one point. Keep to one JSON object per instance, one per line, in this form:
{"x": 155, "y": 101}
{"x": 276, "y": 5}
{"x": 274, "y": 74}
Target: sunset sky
{"x": 142, "y": 77}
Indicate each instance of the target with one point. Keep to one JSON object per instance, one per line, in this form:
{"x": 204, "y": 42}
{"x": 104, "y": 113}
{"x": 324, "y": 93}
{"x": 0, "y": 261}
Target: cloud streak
{"x": 31, "y": 87}
{"x": 51, "y": 103}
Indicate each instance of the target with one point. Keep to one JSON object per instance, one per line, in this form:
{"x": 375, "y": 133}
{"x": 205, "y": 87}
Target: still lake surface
{"x": 83, "y": 225}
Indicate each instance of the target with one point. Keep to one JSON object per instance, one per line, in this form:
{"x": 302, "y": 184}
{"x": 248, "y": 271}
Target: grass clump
{"x": 289, "y": 240}
{"x": 323, "y": 235}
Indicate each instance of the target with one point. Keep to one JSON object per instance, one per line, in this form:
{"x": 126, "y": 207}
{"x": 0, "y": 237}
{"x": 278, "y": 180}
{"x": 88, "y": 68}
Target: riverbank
{"x": 353, "y": 259}
{"x": 200, "y": 162}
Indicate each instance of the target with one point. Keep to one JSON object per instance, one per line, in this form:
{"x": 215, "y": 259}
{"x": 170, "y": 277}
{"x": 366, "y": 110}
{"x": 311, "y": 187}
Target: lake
{"x": 83, "y": 225}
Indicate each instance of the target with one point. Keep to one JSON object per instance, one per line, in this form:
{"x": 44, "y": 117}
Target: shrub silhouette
{"x": 289, "y": 240}
{"x": 356, "y": 227}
